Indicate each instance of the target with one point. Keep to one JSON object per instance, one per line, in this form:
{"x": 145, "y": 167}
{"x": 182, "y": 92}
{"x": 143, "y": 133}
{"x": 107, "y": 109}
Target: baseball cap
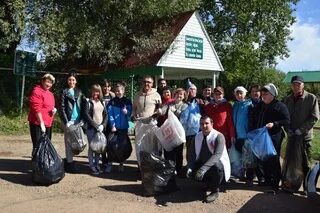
{"x": 297, "y": 79}
{"x": 218, "y": 89}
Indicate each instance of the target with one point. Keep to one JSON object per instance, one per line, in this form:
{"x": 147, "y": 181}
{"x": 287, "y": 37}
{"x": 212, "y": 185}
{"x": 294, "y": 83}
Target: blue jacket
{"x": 240, "y": 115}
{"x": 116, "y": 116}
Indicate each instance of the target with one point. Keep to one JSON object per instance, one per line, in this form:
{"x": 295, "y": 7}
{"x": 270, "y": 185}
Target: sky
{"x": 305, "y": 46}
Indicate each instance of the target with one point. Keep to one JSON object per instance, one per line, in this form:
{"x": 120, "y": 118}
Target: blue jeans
{"x": 93, "y": 157}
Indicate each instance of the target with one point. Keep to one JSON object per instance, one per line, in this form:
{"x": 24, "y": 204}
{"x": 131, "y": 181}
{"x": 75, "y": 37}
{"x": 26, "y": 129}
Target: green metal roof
{"x": 127, "y": 73}
{"x": 308, "y": 76}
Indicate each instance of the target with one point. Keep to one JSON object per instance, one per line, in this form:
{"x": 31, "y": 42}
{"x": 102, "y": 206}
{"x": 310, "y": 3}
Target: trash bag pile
{"x": 47, "y": 165}
{"x": 98, "y": 143}
{"x": 261, "y": 143}
{"x": 157, "y": 174}
{"x": 171, "y": 134}
{"x": 119, "y": 147}
{"x": 190, "y": 119}
{"x": 292, "y": 172}
{"x": 76, "y": 138}
{"x": 146, "y": 139}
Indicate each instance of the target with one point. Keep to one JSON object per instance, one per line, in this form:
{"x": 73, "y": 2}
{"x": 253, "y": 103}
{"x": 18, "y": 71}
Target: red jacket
{"x": 162, "y": 118}
{"x": 221, "y": 115}
{"x": 42, "y": 101}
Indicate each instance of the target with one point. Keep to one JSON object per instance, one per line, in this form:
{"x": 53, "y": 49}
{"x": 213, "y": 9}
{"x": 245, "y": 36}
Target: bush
{"x": 315, "y": 151}
{"x": 14, "y": 124}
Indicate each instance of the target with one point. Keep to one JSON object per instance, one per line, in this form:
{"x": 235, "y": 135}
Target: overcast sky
{"x": 305, "y": 47}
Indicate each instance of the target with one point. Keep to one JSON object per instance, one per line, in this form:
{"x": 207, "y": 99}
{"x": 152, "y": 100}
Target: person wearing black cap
{"x": 304, "y": 114}
{"x": 274, "y": 115}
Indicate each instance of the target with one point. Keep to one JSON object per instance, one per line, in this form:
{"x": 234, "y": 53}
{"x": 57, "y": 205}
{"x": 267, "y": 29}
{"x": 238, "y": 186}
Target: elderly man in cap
{"x": 274, "y": 115}
{"x": 304, "y": 114}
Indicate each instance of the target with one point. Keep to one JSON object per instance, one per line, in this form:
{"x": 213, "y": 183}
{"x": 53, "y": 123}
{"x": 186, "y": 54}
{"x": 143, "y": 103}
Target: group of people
{"x": 104, "y": 111}
{"x": 222, "y": 125}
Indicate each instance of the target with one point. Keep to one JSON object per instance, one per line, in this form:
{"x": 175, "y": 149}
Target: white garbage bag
{"x": 171, "y": 134}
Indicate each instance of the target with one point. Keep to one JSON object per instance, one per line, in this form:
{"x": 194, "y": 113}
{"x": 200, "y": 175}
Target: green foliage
{"x": 249, "y": 36}
{"x": 315, "y": 151}
{"x": 249, "y": 77}
{"x": 97, "y": 32}
{"x": 12, "y": 23}
{"x": 13, "y": 123}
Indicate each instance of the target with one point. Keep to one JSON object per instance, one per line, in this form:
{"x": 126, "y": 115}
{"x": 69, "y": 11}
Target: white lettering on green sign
{"x": 193, "y": 47}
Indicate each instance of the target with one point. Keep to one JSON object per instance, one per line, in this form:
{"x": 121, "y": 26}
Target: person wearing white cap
{"x": 240, "y": 115}
{"x": 274, "y": 115}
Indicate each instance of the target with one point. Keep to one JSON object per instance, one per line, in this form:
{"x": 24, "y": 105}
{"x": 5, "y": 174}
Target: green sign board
{"x": 25, "y": 63}
{"x": 193, "y": 47}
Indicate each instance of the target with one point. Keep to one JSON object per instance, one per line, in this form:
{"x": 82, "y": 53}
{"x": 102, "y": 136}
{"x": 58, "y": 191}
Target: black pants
{"x": 176, "y": 155}
{"x": 214, "y": 177}
{"x": 306, "y": 156}
{"x": 189, "y": 141}
{"x": 35, "y": 132}
{"x": 272, "y": 167}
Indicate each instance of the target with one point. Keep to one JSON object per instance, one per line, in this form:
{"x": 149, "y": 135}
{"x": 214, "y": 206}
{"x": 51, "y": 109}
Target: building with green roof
{"x": 308, "y": 76}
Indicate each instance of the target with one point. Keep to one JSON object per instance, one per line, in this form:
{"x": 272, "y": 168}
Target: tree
{"x": 12, "y": 24}
{"x": 248, "y": 35}
{"x": 96, "y": 31}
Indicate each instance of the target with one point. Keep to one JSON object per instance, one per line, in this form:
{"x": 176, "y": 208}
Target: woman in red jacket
{"x": 220, "y": 111}
{"x": 42, "y": 110}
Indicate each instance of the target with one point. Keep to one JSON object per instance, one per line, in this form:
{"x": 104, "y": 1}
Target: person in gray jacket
{"x": 208, "y": 159}
{"x": 304, "y": 114}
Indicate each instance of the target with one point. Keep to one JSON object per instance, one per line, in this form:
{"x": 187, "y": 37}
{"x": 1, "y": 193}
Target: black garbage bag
{"x": 76, "y": 138}
{"x": 119, "y": 147}
{"x": 292, "y": 172}
{"x": 98, "y": 143}
{"x": 157, "y": 174}
{"x": 47, "y": 165}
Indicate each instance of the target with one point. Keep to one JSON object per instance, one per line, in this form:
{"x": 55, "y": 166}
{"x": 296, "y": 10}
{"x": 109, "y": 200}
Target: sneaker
{"x": 108, "y": 168}
{"x": 211, "y": 197}
{"x": 94, "y": 170}
{"x": 121, "y": 168}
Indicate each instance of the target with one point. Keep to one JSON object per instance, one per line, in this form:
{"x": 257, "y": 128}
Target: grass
{"x": 315, "y": 151}
{"x": 315, "y": 148}
{"x": 16, "y": 124}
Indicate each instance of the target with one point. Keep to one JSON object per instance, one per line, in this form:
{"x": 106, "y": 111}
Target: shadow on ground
{"x": 282, "y": 202}
{"x": 187, "y": 192}
{"x": 13, "y": 165}
{"x": 130, "y": 173}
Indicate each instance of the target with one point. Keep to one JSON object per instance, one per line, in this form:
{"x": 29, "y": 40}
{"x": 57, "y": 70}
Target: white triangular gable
{"x": 177, "y": 56}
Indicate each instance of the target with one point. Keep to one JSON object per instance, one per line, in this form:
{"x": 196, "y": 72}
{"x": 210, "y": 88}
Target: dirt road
{"x": 122, "y": 192}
